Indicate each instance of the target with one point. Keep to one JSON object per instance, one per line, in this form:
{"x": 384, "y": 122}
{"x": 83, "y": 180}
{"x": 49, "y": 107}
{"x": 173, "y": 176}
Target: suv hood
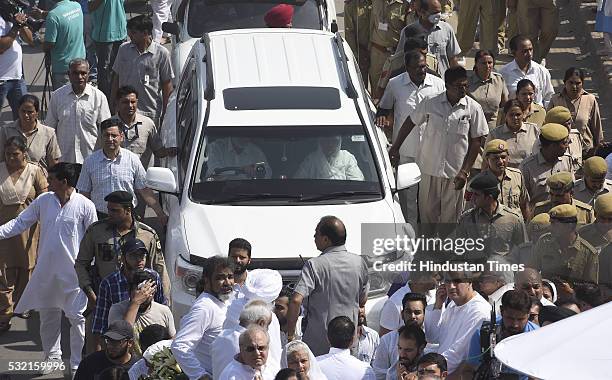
{"x": 279, "y": 231}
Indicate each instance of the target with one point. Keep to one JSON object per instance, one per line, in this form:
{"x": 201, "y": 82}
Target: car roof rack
{"x": 351, "y": 92}
{"x": 209, "y": 91}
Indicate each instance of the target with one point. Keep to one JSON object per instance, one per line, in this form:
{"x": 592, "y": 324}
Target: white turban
{"x": 264, "y": 284}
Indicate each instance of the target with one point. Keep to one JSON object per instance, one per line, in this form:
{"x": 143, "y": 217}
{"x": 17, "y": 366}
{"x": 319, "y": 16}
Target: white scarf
{"x": 16, "y": 193}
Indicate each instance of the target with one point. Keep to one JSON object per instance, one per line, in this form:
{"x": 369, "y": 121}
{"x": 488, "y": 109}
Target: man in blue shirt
{"x": 514, "y": 320}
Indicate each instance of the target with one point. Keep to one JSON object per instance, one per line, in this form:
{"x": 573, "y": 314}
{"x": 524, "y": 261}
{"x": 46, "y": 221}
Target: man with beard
{"x": 514, "y": 320}
{"x": 368, "y": 339}
{"x": 204, "y": 321}
{"x": 413, "y": 312}
{"x": 140, "y": 310}
{"x": 119, "y": 341}
{"x": 251, "y": 362}
{"x": 115, "y": 287}
{"x": 240, "y": 253}
{"x": 410, "y": 346}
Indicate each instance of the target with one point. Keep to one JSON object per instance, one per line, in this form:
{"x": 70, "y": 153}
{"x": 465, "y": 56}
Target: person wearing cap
{"x": 64, "y": 215}
{"x": 332, "y": 284}
{"x": 513, "y": 192}
{"x": 521, "y": 137}
{"x": 280, "y": 16}
{"x": 401, "y": 96}
{"x": 561, "y": 190}
{"x": 455, "y": 124}
{"x": 501, "y": 227}
{"x": 551, "y": 158}
{"x": 561, "y": 115}
{"x": 140, "y": 309}
{"x": 537, "y": 226}
{"x": 119, "y": 340}
{"x": 115, "y": 168}
{"x": 454, "y": 326}
{"x": 357, "y": 33}
{"x": 599, "y": 233}
{"x": 115, "y": 287}
{"x": 593, "y": 184}
{"x": 563, "y": 253}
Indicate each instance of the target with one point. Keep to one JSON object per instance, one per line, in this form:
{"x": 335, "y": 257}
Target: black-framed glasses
{"x": 253, "y": 348}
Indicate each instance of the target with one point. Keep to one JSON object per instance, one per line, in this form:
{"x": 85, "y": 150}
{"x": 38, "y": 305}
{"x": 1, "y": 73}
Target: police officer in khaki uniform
{"x": 470, "y": 12}
{"x": 501, "y": 227}
{"x": 561, "y": 115}
{"x": 594, "y": 183}
{"x": 537, "y": 226}
{"x": 513, "y": 192}
{"x": 387, "y": 20}
{"x": 549, "y": 160}
{"x": 599, "y": 233}
{"x": 561, "y": 192}
{"x": 563, "y": 252}
{"x": 539, "y": 21}
{"x": 357, "y": 32}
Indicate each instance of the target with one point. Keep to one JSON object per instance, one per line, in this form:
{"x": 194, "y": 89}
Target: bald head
{"x": 330, "y": 232}
{"x": 530, "y": 281}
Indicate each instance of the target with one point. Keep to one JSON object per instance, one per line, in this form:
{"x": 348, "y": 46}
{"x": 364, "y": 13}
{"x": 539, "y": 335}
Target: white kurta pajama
{"x": 54, "y": 286}
{"x": 238, "y": 371}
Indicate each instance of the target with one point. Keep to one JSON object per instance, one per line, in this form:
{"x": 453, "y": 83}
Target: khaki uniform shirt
{"x": 578, "y": 262}
{"x": 387, "y": 21}
{"x": 513, "y": 191}
{"x": 536, "y": 171}
{"x": 489, "y": 94}
{"x": 585, "y": 212}
{"x": 357, "y": 24}
{"x": 536, "y": 115}
{"x": 521, "y": 144}
{"x": 595, "y": 236}
{"x": 586, "y": 116}
{"x": 584, "y": 194}
{"x": 41, "y": 142}
{"x": 501, "y": 232}
{"x": 103, "y": 244}
{"x": 522, "y": 253}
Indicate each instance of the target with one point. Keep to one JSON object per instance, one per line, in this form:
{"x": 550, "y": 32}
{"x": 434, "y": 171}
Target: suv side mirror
{"x": 171, "y": 28}
{"x": 334, "y": 26}
{"x": 408, "y": 175}
{"x": 162, "y": 180}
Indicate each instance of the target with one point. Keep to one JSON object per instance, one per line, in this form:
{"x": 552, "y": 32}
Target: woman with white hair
{"x": 299, "y": 358}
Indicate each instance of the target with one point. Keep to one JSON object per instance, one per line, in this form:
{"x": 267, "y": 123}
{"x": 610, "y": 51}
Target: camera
{"x": 10, "y": 8}
{"x": 260, "y": 170}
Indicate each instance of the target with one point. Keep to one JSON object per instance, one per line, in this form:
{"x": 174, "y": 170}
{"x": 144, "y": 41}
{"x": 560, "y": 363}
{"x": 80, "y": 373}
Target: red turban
{"x": 280, "y": 16}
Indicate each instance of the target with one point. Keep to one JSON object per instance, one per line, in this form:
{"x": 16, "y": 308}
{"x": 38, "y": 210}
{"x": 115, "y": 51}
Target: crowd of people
{"x": 503, "y": 158}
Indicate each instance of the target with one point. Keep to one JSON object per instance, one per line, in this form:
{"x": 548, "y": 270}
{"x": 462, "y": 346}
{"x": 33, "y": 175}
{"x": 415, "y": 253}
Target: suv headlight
{"x": 188, "y": 274}
{"x": 380, "y": 276}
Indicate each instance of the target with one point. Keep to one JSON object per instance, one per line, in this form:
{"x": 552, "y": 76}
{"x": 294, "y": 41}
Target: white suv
{"x": 194, "y": 18}
{"x": 256, "y": 111}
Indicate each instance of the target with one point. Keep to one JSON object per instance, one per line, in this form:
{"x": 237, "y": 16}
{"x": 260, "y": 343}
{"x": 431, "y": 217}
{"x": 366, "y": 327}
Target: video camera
{"x": 10, "y": 8}
{"x": 490, "y": 368}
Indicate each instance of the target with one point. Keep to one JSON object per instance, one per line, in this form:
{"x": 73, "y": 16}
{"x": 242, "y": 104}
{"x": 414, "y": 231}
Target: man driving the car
{"x": 236, "y": 158}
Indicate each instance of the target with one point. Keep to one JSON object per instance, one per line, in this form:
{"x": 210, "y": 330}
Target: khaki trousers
{"x": 357, "y": 33}
{"x": 469, "y": 13}
{"x": 439, "y": 202}
{"x": 499, "y": 14}
{"x": 539, "y": 20}
{"x": 13, "y": 281}
{"x": 377, "y": 61}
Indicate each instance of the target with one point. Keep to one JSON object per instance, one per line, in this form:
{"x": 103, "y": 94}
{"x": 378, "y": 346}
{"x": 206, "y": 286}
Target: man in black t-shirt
{"x": 119, "y": 339}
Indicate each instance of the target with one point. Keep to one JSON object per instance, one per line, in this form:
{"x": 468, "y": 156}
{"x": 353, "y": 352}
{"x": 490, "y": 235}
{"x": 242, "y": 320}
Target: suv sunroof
{"x": 281, "y": 98}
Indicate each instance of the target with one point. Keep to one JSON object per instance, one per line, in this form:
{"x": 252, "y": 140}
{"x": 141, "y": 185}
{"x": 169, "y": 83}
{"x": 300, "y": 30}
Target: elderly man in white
{"x": 64, "y": 216}
{"x": 329, "y": 161}
{"x": 226, "y": 346}
{"x": 251, "y": 362}
{"x": 265, "y": 285}
{"x": 338, "y": 364}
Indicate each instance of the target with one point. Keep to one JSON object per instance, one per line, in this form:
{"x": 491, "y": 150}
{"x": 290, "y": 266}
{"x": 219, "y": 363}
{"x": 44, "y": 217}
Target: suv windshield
{"x": 331, "y": 164}
{"x": 213, "y": 15}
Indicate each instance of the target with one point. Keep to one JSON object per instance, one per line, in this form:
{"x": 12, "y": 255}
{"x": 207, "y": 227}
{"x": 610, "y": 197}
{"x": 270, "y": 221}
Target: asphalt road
{"x": 22, "y": 342}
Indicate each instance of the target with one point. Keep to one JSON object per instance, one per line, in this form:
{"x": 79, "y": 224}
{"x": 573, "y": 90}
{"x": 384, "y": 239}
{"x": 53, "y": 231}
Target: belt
{"x": 384, "y": 49}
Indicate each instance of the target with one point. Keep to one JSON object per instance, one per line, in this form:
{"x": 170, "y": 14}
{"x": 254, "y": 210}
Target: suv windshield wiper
{"x": 252, "y": 197}
{"x": 337, "y": 194}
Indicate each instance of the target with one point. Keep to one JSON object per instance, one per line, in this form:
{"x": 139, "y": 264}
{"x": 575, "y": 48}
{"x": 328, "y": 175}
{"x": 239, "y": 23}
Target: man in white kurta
{"x": 328, "y": 161}
{"x": 251, "y": 362}
{"x": 64, "y": 216}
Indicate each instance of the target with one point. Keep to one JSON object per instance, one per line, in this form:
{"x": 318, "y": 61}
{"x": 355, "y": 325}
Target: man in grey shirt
{"x": 440, "y": 37}
{"x": 334, "y": 284}
{"x": 145, "y": 65}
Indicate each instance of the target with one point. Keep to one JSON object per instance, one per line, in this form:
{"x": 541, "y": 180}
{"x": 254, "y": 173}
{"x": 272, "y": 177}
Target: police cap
{"x": 603, "y": 206}
{"x": 558, "y": 114}
{"x": 486, "y": 182}
{"x": 133, "y": 246}
{"x": 496, "y": 146}
{"x": 595, "y": 167}
{"x": 538, "y": 223}
{"x": 560, "y": 182}
{"x": 564, "y": 213}
{"x": 121, "y": 197}
{"x": 554, "y": 132}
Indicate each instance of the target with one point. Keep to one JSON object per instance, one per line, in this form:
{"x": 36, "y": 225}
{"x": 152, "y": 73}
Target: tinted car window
{"x": 212, "y": 15}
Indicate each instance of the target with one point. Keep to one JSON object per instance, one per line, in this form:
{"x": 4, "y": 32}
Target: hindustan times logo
{"x": 459, "y": 246}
